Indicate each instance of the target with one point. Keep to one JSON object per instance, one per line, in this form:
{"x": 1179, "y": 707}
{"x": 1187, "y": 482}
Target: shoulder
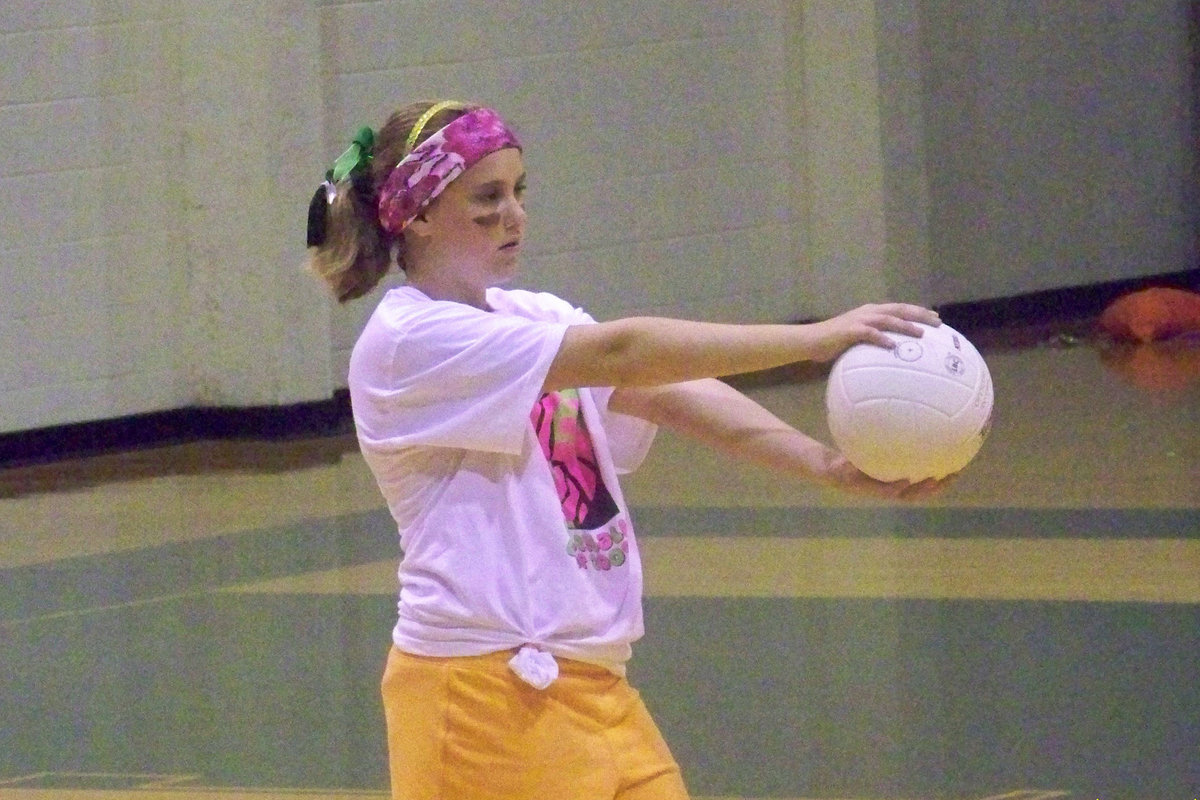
{"x": 536, "y": 305}
{"x": 407, "y": 317}
{"x": 404, "y": 307}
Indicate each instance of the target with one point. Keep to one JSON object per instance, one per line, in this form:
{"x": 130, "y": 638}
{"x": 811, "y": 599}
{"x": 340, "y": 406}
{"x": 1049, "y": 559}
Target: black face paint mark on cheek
{"x": 488, "y": 220}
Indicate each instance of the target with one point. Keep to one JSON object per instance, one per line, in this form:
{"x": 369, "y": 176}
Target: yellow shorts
{"x": 470, "y": 729}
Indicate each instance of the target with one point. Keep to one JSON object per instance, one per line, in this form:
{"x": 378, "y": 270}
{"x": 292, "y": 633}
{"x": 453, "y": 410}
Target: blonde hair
{"x": 357, "y": 253}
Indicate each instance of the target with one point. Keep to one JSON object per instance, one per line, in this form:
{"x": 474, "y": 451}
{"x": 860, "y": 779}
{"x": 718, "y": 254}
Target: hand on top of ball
{"x": 870, "y": 324}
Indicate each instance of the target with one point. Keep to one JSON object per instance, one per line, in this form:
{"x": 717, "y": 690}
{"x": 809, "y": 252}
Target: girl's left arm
{"x": 721, "y": 417}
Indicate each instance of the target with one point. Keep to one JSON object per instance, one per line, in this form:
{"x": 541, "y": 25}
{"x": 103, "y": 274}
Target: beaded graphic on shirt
{"x": 596, "y": 538}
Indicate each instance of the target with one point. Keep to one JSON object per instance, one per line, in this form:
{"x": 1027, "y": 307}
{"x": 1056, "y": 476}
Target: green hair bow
{"x": 355, "y": 158}
{"x": 349, "y": 164}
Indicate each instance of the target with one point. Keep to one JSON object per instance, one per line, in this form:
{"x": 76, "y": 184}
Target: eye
{"x": 494, "y": 194}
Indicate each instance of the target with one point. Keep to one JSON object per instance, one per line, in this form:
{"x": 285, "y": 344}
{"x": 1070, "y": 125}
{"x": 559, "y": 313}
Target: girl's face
{"x": 471, "y": 234}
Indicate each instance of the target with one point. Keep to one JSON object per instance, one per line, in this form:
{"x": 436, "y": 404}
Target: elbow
{"x": 619, "y": 360}
{"x": 603, "y": 354}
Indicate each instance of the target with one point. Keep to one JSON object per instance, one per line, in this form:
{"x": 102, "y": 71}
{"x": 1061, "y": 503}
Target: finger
{"x": 877, "y": 337}
{"x": 927, "y": 487}
{"x": 908, "y": 314}
{"x": 877, "y": 330}
{"x": 906, "y": 324}
{"x": 914, "y": 313}
{"x": 886, "y": 488}
{"x": 905, "y": 327}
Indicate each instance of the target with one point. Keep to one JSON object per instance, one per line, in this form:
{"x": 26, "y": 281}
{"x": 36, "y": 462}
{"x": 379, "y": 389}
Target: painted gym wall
{"x": 755, "y": 161}
{"x": 658, "y": 140}
{"x": 1059, "y": 142}
{"x": 157, "y": 157}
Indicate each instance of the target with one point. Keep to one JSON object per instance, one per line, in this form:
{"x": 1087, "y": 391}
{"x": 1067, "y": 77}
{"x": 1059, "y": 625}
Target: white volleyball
{"x": 919, "y": 410}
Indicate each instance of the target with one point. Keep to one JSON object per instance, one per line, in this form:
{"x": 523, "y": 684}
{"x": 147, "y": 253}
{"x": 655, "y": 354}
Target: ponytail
{"x": 347, "y": 247}
{"x": 354, "y": 253}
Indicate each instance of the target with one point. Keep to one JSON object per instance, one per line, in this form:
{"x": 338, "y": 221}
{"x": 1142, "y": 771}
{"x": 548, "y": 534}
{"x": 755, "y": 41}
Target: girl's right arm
{"x": 653, "y": 351}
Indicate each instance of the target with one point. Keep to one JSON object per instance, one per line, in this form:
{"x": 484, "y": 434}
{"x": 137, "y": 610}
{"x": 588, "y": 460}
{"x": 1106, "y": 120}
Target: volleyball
{"x": 919, "y": 410}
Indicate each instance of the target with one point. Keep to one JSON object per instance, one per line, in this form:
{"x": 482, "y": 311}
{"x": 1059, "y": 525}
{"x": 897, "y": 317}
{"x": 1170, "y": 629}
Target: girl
{"x": 496, "y": 423}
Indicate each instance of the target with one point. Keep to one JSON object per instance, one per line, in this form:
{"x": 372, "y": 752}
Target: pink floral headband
{"x": 430, "y": 167}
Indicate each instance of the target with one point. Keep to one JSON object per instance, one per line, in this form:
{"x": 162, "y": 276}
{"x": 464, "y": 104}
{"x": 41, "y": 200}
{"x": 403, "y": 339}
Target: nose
{"x": 513, "y": 214}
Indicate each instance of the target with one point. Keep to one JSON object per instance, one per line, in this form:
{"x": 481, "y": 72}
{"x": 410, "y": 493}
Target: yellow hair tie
{"x": 424, "y": 119}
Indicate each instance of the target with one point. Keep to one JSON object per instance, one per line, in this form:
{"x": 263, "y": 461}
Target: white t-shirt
{"x": 512, "y": 524}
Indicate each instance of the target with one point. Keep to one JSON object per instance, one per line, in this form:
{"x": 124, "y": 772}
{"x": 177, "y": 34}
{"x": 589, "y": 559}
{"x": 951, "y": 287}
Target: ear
{"x": 419, "y": 226}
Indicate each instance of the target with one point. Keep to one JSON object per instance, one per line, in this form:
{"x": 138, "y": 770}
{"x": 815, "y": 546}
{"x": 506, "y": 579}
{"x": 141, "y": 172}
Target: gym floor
{"x": 210, "y": 620}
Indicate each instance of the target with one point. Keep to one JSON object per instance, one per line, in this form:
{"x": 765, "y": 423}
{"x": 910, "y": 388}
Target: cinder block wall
{"x": 90, "y": 293}
{"x": 658, "y": 137}
{"x": 739, "y": 161}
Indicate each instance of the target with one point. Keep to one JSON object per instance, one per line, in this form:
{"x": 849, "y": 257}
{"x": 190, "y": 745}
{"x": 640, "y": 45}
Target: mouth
{"x": 512, "y": 246}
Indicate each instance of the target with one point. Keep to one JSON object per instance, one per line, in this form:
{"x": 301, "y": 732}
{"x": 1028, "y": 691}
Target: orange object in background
{"x": 1150, "y": 315}
{"x": 1158, "y": 333}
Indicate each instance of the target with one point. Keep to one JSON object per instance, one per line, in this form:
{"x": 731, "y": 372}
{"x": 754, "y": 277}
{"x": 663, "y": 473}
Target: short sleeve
{"x": 448, "y": 375}
{"x": 629, "y": 437}
{"x": 537, "y": 305}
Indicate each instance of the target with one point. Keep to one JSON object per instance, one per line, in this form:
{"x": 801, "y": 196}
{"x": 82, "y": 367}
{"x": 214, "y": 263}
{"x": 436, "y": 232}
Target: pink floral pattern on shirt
{"x": 602, "y": 551}
{"x": 586, "y": 502}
